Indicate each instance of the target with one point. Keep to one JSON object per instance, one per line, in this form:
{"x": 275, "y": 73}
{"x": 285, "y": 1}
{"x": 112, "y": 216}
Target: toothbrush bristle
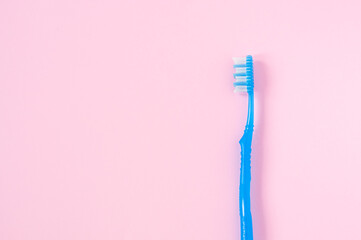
{"x": 243, "y": 74}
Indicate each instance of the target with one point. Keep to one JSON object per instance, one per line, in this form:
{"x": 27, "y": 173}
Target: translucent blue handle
{"x": 245, "y": 176}
{"x": 245, "y": 185}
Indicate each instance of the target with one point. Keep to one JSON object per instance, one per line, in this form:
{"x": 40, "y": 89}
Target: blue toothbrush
{"x": 244, "y": 83}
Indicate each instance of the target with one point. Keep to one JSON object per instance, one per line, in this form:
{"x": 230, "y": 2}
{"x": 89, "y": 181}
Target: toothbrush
{"x": 244, "y": 83}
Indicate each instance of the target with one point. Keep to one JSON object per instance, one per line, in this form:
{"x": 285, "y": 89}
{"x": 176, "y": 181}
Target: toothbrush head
{"x": 244, "y": 74}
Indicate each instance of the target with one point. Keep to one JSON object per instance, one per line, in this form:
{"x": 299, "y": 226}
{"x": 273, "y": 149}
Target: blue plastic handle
{"x": 245, "y": 175}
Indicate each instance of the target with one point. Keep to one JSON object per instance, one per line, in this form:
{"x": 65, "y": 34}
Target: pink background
{"x": 118, "y": 119}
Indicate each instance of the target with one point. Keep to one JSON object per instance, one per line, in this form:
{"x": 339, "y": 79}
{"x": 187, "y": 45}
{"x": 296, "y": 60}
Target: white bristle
{"x": 239, "y": 60}
{"x": 241, "y": 70}
{"x": 241, "y": 79}
{"x": 241, "y": 89}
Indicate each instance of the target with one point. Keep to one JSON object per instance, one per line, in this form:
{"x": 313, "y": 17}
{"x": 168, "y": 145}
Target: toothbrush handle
{"x": 245, "y": 185}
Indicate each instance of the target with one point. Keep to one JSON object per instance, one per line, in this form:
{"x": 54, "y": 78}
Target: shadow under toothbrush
{"x": 258, "y": 158}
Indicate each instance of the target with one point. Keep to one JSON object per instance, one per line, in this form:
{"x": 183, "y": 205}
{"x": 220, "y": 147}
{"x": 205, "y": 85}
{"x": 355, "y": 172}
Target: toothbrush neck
{"x": 250, "y": 109}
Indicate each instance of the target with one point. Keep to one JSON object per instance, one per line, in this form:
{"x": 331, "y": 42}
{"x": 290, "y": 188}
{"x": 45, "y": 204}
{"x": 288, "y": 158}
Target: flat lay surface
{"x": 118, "y": 119}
